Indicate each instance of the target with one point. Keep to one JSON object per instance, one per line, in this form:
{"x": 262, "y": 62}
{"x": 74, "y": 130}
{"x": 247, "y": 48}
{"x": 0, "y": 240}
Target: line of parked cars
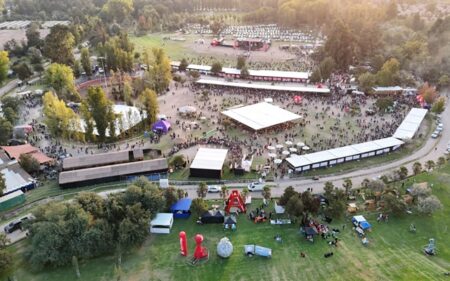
{"x": 437, "y": 132}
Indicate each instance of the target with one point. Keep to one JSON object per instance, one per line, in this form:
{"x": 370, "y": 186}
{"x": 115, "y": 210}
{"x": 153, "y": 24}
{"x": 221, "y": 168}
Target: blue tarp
{"x": 364, "y": 225}
{"x": 181, "y": 208}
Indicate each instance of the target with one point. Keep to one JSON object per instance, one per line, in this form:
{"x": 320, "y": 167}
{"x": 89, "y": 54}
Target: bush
{"x": 429, "y": 205}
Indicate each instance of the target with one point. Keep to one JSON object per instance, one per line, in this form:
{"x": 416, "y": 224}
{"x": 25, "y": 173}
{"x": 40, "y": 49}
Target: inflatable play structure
{"x": 183, "y": 244}
{"x": 224, "y": 248}
{"x": 201, "y": 253}
{"x": 235, "y": 200}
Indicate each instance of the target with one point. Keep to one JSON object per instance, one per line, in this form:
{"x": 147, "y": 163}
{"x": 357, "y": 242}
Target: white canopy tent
{"x": 410, "y": 125}
{"x": 261, "y": 115}
{"x": 162, "y": 223}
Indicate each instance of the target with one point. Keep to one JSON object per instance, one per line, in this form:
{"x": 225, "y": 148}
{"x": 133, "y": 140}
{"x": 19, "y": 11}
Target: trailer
{"x": 251, "y": 250}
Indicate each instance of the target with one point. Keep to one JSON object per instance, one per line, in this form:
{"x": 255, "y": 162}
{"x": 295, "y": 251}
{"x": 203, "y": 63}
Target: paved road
{"x": 8, "y": 87}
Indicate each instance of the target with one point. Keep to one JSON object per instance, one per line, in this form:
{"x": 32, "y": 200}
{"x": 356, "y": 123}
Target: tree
{"x": 216, "y": 68}
{"x": 429, "y": 205}
{"x": 6, "y": 130}
{"x": 439, "y": 106}
{"x": 266, "y": 192}
{"x": 10, "y": 115}
{"x": 337, "y": 203}
{"x": 171, "y": 197}
{"x": 215, "y": 27}
{"x": 311, "y": 204}
{"x": 389, "y": 73}
{"x": 417, "y": 168}
{"x": 444, "y": 81}
{"x": 402, "y": 172}
{"x": 118, "y": 10}
{"x": 6, "y": 257}
{"x": 202, "y": 190}
{"x": 59, "y": 44}
{"x": 341, "y": 45}
{"x": 33, "y": 36}
{"x": 324, "y": 70}
{"x": 29, "y": 163}
{"x": 97, "y": 108}
{"x": 199, "y": 206}
{"x": 241, "y": 63}
{"x": 2, "y": 184}
{"x": 391, "y": 10}
{"x": 429, "y": 165}
{"x": 384, "y": 103}
{"x": 178, "y": 161}
{"x": 328, "y": 187}
{"x": 367, "y": 81}
{"x": 159, "y": 73}
{"x": 4, "y": 64}
{"x": 183, "y": 65}
{"x": 441, "y": 161}
{"x": 394, "y": 204}
{"x": 86, "y": 61}
{"x": 245, "y": 73}
{"x": 77, "y": 69}
{"x": 428, "y": 93}
{"x": 60, "y": 77}
{"x": 224, "y": 192}
{"x": 347, "y": 185}
{"x": 287, "y": 194}
{"x": 419, "y": 191}
{"x": 149, "y": 103}
{"x": 61, "y": 121}
{"x": 35, "y": 55}
{"x": 376, "y": 185}
{"x": 294, "y": 206}
{"x": 23, "y": 71}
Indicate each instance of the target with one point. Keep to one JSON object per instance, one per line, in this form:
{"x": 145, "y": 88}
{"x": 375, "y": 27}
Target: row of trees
{"x": 91, "y": 226}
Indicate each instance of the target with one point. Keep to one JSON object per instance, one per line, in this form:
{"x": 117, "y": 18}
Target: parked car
{"x": 435, "y": 134}
{"x": 214, "y": 188}
{"x": 316, "y": 178}
{"x": 13, "y": 226}
{"x": 256, "y": 186}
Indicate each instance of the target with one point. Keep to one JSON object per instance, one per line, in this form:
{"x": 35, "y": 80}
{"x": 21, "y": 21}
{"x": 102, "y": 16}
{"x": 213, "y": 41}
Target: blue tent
{"x": 180, "y": 209}
{"x": 365, "y": 225}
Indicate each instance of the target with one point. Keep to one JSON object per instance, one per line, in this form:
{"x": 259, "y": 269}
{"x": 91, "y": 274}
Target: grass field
{"x": 393, "y": 254}
{"x": 174, "y": 49}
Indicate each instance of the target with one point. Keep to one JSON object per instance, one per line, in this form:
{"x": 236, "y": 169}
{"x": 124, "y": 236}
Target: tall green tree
{"x": 159, "y": 74}
{"x": 341, "y": 45}
{"x": 2, "y": 184}
{"x": 29, "y": 163}
{"x": 61, "y": 121}
{"x": 118, "y": 10}
{"x": 6, "y": 130}
{"x": 23, "y": 71}
{"x": 33, "y": 36}
{"x": 60, "y": 77}
{"x": 4, "y": 65}
{"x": 149, "y": 103}
{"x": 98, "y": 109}
{"x": 59, "y": 44}
{"x": 6, "y": 257}
{"x": 216, "y": 68}
{"x": 86, "y": 61}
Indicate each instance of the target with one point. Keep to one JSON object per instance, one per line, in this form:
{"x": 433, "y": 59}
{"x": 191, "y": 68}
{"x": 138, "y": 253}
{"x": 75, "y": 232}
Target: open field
{"x": 19, "y": 35}
{"x": 393, "y": 254}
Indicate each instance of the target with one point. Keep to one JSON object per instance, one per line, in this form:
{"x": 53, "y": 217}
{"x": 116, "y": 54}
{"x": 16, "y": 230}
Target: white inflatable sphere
{"x": 224, "y": 248}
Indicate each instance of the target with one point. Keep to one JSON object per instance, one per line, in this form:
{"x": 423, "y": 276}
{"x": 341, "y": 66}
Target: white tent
{"x": 187, "y": 109}
{"x": 162, "y": 223}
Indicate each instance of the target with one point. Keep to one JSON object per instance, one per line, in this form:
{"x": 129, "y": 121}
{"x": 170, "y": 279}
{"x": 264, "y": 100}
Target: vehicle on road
{"x": 316, "y": 178}
{"x": 214, "y": 188}
{"x": 251, "y": 250}
{"x": 256, "y": 186}
{"x": 435, "y": 134}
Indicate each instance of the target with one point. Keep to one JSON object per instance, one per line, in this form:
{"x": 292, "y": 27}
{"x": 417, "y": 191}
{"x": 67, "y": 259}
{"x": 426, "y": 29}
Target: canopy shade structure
{"x": 264, "y": 86}
{"x": 343, "y": 154}
{"x": 101, "y": 159}
{"x": 16, "y": 178}
{"x": 410, "y": 125}
{"x": 187, "y": 109}
{"x": 162, "y": 223}
{"x": 162, "y": 126}
{"x": 181, "y": 208}
{"x": 208, "y": 163}
{"x": 261, "y": 115}
{"x": 213, "y": 216}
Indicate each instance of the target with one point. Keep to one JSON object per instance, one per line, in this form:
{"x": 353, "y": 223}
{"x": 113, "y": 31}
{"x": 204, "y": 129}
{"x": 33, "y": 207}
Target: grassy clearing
{"x": 393, "y": 254}
{"x": 174, "y": 49}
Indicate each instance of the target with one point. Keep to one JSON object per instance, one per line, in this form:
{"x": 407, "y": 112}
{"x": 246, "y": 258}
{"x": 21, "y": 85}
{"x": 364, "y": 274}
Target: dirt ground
{"x": 19, "y": 35}
{"x": 274, "y": 54}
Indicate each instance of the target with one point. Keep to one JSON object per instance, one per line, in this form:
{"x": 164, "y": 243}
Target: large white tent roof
{"x": 14, "y": 180}
{"x": 261, "y": 115}
{"x": 408, "y": 128}
{"x": 209, "y": 159}
{"x": 342, "y": 152}
{"x": 264, "y": 86}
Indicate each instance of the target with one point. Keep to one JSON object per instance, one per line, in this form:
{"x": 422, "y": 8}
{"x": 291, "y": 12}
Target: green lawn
{"x": 393, "y": 254}
{"x": 174, "y": 49}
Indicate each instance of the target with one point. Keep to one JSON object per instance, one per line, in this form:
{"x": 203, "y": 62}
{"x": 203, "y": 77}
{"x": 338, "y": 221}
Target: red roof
{"x": 14, "y": 152}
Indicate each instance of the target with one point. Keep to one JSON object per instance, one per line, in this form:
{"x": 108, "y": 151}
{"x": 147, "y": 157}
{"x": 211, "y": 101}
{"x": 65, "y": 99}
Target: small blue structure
{"x": 360, "y": 221}
{"x": 180, "y": 209}
{"x": 365, "y": 225}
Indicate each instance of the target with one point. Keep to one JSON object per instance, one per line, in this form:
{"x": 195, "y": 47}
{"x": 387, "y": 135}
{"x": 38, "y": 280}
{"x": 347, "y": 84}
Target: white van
{"x": 256, "y": 186}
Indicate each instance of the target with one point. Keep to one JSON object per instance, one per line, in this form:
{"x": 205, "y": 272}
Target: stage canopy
{"x": 261, "y": 115}
{"x": 161, "y": 126}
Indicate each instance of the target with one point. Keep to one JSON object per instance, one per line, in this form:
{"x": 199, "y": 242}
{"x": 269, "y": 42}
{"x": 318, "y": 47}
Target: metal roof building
{"x": 343, "y": 154}
{"x": 208, "y": 163}
{"x": 410, "y": 125}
